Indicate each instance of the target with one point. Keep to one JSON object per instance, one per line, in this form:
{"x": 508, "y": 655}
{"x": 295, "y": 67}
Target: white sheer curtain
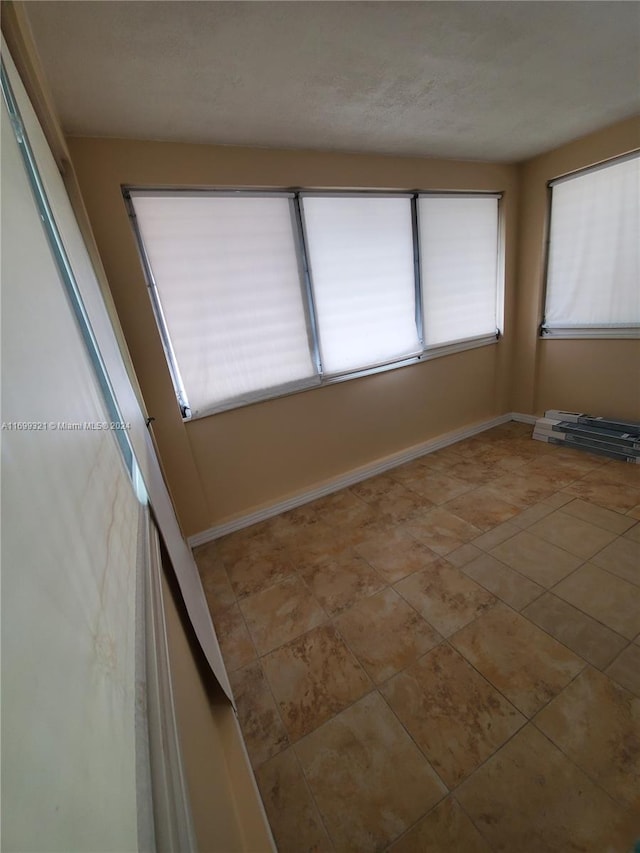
{"x": 459, "y": 258}
{"x": 227, "y": 275}
{"x": 361, "y": 258}
{"x": 593, "y": 277}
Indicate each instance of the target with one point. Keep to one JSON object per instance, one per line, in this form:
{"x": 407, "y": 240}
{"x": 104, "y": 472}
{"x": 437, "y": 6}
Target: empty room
{"x": 321, "y": 426}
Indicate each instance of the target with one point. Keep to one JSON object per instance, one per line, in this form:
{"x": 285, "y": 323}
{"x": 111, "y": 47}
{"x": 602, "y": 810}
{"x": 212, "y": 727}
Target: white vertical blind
{"x": 361, "y": 257}
{"x": 593, "y": 276}
{"x": 459, "y": 266}
{"x": 227, "y": 275}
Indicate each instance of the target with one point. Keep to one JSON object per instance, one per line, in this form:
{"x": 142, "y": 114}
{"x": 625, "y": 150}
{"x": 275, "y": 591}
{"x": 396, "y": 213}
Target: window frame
{"x": 602, "y": 331}
{"x": 320, "y": 378}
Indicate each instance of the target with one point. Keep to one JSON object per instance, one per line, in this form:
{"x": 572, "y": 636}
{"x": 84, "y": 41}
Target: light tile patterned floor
{"x": 445, "y": 657}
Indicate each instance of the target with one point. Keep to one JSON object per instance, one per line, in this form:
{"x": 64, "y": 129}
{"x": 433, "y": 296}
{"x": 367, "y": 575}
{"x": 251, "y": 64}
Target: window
{"x": 360, "y": 253}
{"x": 459, "y": 252}
{"x": 593, "y": 272}
{"x": 257, "y": 294}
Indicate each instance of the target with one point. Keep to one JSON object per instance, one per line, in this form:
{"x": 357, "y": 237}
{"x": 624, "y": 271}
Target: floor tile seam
{"x": 592, "y": 523}
{"x": 391, "y": 583}
{"x": 416, "y": 744}
{"x": 577, "y": 607}
{"x": 611, "y": 482}
{"x": 593, "y": 499}
{"x": 402, "y": 481}
{"x": 377, "y": 497}
{"x": 341, "y": 610}
{"x": 466, "y": 494}
{"x": 584, "y": 612}
{"x": 258, "y": 660}
{"x": 626, "y": 533}
{"x": 555, "y": 639}
{"x": 295, "y": 573}
{"x": 262, "y": 655}
{"x": 568, "y": 648}
{"x": 313, "y": 797}
{"x": 269, "y": 585}
{"x": 498, "y": 690}
{"x": 583, "y": 669}
{"x": 543, "y": 589}
{"x": 411, "y": 605}
{"x": 373, "y": 569}
{"x": 424, "y": 545}
{"x": 431, "y": 625}
{"x": 377, "y": 684}
{"x": 442, "y": 473}
{"x": 596, "y": 506}
{"x": 524, "y": 527}
{"x": 523, "y": 506}
{"x": 561, "y": 547}
{"x": 464, "y": 520}
{"x": 611, "y": 663}
{"x": 246, "y": 628}
{"x": 508, "y": 539}
{"x": 329, "y": 620}
{"x": 490, "y": 683}
{"x": 385, "y": 682}
{"x": 504, "y": 562}
{"x": 435, "y": 558}
{"x": 594, "y": 779}
{"x": 406, "y": 831}
{"x": 329, "y": 616}
{"x": 489, "y": 844}
{"x": 614, "y": 574}
{"x": 519, "y": 730}
{"x": 347, "y": 644}
{"x": 348, "y": 489}
{"x": 294, "y": 742}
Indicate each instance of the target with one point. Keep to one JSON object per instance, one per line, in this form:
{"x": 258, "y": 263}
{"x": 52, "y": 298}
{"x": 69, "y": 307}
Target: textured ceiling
{"x": 477, "y": 80}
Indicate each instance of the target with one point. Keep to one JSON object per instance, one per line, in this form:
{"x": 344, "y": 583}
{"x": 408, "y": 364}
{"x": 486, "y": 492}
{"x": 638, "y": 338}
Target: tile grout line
{"x": 375, "y": 687}
{"x": 592, "y": 779}
{"x": 584, "y": 612}
{"x": 473, "y": 823}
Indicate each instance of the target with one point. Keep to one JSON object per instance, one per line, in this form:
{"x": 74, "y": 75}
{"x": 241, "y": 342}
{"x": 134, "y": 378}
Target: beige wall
{"x": 225, "y": 806}
{"x": 229, "y": 464}
{"x": 599, "y": 376}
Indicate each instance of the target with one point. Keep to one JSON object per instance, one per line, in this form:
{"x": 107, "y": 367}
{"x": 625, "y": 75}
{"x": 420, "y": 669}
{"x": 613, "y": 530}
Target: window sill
{"x": 314, "y": 382}
{"x": 590, "y": 333}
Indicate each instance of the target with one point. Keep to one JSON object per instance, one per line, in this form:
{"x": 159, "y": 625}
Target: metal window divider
{"x": 417, "y": 272}
{"x": 304, "y": 265}
{"x": 67, "y": 275}
{"x": 161, "y": 322}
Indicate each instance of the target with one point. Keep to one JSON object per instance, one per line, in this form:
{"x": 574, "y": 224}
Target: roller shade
{"x": 593, "y": 274}
{"x": 459, "y": 265}
{"x": 362, "y": 267}
{"x": 228, "y": 281}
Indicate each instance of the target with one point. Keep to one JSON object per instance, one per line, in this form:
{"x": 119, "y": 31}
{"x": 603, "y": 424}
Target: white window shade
{"x": 593, "y": 277}
{"x": 228, "y": 280}
{"x": 459, "y": 267}
{"x": 360, "y": 252}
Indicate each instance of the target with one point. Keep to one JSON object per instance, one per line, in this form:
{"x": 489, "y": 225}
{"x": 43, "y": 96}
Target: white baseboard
{"x": 353, "y": 477}
{"x": 523, "y": 419}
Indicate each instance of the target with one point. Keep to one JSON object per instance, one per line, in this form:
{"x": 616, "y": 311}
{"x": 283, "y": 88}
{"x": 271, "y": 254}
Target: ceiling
{"x": 498, "y": 81}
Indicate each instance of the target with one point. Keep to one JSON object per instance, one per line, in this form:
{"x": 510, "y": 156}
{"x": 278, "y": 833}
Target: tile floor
{"x": 445, "y": 657}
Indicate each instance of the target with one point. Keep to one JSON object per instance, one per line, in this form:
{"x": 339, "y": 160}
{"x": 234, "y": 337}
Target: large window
{"x": 257, "y": 294}
{"x": 593, "y": 274}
